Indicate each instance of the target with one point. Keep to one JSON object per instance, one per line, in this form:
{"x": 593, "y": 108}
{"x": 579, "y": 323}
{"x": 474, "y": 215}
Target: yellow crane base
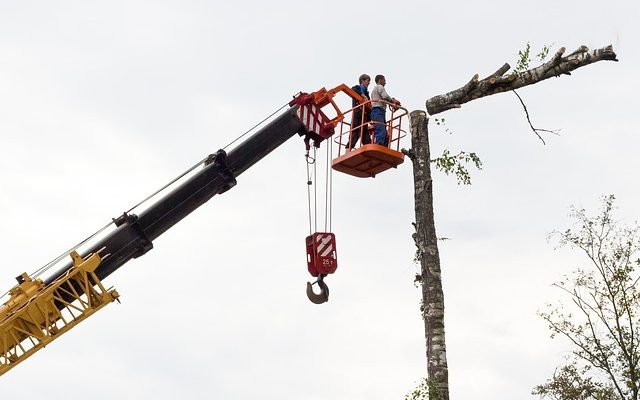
{"x": 36, "y": 314}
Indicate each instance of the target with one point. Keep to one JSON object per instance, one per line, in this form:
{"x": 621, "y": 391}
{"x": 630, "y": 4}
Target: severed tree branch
{"x": 498, "y": 82}
{"x": 535, "y": 130}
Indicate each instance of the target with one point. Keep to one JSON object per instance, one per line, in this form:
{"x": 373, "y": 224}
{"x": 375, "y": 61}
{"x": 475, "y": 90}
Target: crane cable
{"x": 256, "y": 125}
{"x": 330, "y": 187}
{"x": 309, "y": 182}
{"x": 47, "y": 266}
{"x": 312, "y": 176}
{"x": 328, "y": 196}
{"x": 51, "y": 263}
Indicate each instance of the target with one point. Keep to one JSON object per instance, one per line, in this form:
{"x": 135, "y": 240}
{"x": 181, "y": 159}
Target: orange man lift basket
{"x": 359, "y": 153}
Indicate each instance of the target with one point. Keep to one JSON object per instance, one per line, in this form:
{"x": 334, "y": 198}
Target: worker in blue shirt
{"x": 361, "y": 115}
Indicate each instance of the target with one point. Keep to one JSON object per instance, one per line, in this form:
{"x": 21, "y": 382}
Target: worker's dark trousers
{"x": 359, "y": 129}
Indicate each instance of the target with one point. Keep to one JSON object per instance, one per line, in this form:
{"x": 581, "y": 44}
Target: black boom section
{"x": 134, "y": 234}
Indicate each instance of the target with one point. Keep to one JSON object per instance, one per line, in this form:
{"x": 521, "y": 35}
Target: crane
{"x": 39, "y": 310}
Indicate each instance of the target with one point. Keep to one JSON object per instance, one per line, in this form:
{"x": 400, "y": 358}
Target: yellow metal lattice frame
{"x": 36, "y": 314}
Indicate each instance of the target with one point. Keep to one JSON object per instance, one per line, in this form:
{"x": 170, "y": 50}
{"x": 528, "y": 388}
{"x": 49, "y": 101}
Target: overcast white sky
{"x": 101, "y": 103}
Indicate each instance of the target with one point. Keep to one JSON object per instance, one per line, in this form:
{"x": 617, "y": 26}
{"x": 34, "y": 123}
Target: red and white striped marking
{"x": 324, "y": 245}
{"x": 309, "y": 116}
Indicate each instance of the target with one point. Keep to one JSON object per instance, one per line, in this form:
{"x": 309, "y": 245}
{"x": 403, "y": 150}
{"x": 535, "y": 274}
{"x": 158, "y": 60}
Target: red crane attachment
{"x": 322, "y": 260}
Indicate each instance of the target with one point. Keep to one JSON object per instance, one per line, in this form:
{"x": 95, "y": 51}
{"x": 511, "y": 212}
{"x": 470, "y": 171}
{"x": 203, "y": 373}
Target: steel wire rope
{"x": 315, "y": 192}
{"x": 204, "y": 159}
{"x": 45, "y": 267}
{"x": 256, "y": 125}
{"x": 54, "y": 261}
{"x": 309, "y": 183}
{"x": 330, "y": 188}
{"x": 326, "y": 190}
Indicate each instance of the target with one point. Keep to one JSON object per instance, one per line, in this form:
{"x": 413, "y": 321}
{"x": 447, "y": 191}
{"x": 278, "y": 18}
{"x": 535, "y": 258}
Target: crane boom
{"x": 135, "y": 234}
{"x": 38, "y": 311}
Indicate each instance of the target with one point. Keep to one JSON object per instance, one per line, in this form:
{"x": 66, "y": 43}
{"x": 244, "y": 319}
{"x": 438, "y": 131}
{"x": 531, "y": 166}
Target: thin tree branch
{"x": 605, "y": 359}
{"x": 601, "y": 355}
{"x": 535, "y": 130}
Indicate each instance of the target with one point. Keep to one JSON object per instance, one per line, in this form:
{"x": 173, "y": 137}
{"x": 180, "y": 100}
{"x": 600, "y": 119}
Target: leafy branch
{"x": 457, "y": 164}
{"x": 524, "y": 57}
{"x": 425, "y": 390}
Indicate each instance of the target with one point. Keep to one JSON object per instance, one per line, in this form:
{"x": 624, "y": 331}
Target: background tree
{"x": 600, "y": 314}
{"x": 502, "y": 80}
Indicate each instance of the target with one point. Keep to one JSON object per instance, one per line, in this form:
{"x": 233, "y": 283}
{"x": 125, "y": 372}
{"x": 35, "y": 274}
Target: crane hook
{"x": 321, "y": 297}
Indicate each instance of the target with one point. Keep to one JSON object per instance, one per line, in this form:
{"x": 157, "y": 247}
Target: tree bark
{"x": 427, "y": 243}
{"x": 498, "y": 82}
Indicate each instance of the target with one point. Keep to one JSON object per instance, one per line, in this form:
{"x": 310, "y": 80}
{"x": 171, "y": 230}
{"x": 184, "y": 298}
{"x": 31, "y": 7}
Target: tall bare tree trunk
{"x": 425, "y": 235}
{"x": 427, "y": 244}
